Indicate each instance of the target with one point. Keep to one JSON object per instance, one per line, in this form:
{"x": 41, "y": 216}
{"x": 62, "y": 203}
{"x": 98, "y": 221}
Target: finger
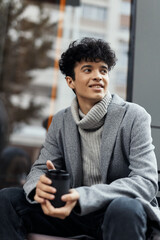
{"x": 39, "y": 199}
{"x": 45, "y": 208}
{"x": 46, "y": 188}
{"x": 44, "y": 179}
{"x": 65, "y": 211}
{"x": 50, "y": 164}
{"x": 43, "y": 194}
{"x": 51, "y": 210}
{"x": 61, "y": 213}
{"x": 72, "y": 196}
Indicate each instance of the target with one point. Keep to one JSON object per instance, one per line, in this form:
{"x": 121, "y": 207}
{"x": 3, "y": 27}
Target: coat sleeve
{"x": 49, "y": 151}
{"x": 142, "y": 180}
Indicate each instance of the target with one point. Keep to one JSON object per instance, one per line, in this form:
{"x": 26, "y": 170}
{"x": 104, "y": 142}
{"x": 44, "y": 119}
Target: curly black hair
{"x": 87, "y": 49}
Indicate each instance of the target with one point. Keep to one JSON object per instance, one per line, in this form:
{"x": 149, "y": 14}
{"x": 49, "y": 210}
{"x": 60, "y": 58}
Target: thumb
{"x": 50, "y": 164}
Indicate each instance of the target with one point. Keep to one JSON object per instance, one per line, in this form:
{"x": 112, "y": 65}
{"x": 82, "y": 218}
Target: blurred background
{"x": 33, "y": 34}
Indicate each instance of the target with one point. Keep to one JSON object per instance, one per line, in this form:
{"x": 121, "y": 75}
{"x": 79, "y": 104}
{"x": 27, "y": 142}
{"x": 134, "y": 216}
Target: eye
{"x": 104, "y": 71}
{"x": 87, "y": 70}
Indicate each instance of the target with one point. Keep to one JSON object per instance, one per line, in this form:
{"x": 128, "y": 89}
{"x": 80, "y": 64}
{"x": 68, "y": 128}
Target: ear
{"x": 70, "y": 82}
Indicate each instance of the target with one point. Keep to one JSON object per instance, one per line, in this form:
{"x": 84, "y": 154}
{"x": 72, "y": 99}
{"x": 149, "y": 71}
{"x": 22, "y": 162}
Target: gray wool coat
{"x": 128, "y": 162}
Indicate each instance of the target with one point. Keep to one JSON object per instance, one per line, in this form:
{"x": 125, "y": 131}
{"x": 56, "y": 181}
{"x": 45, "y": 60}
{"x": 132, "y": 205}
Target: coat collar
{"x": 116, "y": 111}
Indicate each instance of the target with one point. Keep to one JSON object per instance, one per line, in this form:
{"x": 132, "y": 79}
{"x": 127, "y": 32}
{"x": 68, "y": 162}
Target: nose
{"x": 97, "y": 76}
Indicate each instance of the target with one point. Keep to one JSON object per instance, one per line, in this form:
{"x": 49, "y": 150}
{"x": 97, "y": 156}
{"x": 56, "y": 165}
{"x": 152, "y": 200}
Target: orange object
{"x": 57, "y": 53}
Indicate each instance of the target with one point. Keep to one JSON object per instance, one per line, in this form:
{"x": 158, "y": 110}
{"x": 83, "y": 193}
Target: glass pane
{"x": 33, "y": 35}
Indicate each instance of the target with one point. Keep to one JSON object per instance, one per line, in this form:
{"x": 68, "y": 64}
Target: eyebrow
{"x": 103, "y": 66}
{"x": 84, "y": 66}
{"x": 87, "y": 65}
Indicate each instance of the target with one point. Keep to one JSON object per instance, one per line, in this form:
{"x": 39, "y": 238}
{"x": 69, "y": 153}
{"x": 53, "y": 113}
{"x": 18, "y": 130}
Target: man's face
{"x": 91, "y": 82}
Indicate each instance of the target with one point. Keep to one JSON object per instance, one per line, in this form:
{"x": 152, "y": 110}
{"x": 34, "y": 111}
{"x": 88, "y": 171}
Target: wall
{"x": 146, "y": 65}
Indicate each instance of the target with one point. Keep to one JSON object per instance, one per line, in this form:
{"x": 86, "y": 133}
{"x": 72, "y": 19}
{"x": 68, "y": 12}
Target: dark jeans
{"x": 122, "y": 219}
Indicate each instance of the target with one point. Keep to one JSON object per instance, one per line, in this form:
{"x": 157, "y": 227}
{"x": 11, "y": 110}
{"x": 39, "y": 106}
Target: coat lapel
{"x": 73, "y": 149}
{"x": 115, "y": 113}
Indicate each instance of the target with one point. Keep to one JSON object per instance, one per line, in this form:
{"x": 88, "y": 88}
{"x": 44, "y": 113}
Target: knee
{"x": 126, "y": 208}
{"x": 124, "y": 217}
{"x": 4, "y": 194}
{"x": 10, "y": 195}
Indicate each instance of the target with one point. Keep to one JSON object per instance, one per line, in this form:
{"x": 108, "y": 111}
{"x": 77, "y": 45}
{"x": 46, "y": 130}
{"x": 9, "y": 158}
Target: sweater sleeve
{"x": 50, "y": 151}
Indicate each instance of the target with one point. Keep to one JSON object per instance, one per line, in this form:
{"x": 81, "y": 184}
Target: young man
{"x": 105, "y": 144}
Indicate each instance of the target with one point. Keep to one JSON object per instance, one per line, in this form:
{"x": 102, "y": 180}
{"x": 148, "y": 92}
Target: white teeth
{"x": 96, "y": 86}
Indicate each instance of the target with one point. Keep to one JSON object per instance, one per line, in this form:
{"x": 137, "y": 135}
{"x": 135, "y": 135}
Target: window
{"x": 92, "y": 12}
{"x": 125, "y": 8}
{"x": 91, "y": 34}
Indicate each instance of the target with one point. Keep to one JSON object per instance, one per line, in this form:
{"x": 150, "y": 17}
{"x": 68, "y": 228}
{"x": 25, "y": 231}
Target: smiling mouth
{"x": 96, "y": 86}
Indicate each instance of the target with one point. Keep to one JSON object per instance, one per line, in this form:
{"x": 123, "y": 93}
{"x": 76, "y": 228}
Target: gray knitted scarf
{"x": 90, "y": 127}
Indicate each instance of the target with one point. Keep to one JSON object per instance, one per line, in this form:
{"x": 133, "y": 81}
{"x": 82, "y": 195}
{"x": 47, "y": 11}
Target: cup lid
{"x": 57, "y": 173}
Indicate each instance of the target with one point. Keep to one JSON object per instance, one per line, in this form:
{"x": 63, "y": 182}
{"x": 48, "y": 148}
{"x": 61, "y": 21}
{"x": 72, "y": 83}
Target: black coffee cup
{"x": 60, "y": 181}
